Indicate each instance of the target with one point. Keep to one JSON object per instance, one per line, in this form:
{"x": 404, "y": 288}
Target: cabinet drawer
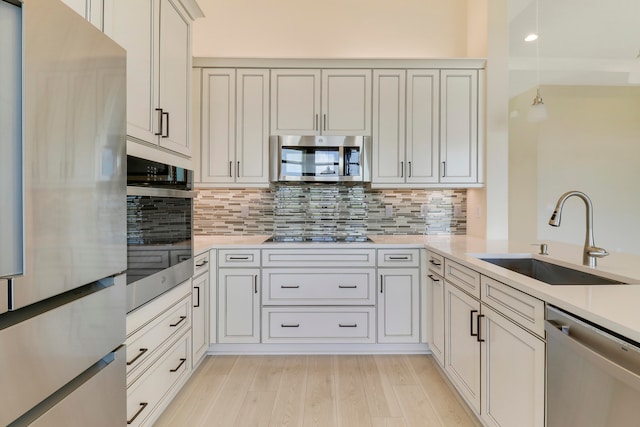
{"x": 319, "y": 258}
{"x": 319, "y": 325}
{"x": 201, "y": 264}
{"x": 398, "y": 257}
{"x": 465, "y": 278}
{"x": 522, "y": 308}
{"x": 145, "y": 396}
{"x": 142, "y": 346}
{"x": 297, "y": 286}
{"x": 435, "y": 263}
{"x": 239, "y": 258}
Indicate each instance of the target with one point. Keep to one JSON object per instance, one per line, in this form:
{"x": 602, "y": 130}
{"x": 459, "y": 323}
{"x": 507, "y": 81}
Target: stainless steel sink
{"x": 550, "y": 273}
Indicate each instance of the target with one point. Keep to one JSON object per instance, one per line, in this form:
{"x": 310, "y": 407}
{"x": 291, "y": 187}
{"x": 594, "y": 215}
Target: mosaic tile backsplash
{"x": 344, "y": 211}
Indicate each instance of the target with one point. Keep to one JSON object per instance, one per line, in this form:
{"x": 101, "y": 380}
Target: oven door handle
{"x": 583, "y": 351}
{"x": 159, "y": 192}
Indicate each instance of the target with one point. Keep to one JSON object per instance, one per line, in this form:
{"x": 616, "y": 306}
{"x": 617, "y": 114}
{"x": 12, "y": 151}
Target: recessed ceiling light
{"x": 531, "y": 37}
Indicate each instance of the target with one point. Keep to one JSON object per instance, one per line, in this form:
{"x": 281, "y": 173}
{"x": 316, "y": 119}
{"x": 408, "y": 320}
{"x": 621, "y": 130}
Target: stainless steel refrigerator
{"x": 62, "y": 219}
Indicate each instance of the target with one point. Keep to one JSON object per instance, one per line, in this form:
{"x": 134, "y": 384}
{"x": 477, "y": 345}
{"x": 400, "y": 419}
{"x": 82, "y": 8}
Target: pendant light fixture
{"x": 634, "y": 72}
{"x": 537, "y": 111}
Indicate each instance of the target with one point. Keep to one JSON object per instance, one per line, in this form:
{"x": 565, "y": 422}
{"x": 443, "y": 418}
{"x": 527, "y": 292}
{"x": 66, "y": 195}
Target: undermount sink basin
{"x": 550, "y": 273}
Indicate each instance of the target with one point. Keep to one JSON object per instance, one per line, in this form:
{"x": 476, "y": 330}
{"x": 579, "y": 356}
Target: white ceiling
{"x": 582, "y": 42}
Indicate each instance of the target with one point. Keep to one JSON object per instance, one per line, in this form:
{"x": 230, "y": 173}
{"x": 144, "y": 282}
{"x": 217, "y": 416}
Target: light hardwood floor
{"x": 323, "y": 391}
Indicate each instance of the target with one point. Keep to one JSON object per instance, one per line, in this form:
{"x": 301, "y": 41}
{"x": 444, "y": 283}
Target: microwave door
{"x": 11, "y": 235}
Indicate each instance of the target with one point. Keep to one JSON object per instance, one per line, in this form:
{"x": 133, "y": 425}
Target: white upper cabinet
{"x": 320, "y": 102}
{"x": 91, "y": 10}
{"x": 157, "y": 37}
{"x": 235, "y": 126}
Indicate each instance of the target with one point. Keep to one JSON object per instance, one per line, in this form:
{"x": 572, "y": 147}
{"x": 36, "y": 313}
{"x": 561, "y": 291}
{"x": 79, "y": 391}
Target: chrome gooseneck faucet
{"x": 591, "y": 251}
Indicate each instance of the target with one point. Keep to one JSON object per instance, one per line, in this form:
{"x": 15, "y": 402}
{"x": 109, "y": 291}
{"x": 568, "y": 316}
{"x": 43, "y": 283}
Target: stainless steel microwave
{"x": 320, "y": 158}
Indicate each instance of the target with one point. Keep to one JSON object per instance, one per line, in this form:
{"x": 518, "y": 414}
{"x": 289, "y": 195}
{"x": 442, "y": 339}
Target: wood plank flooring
{"x": 322, "y": 391}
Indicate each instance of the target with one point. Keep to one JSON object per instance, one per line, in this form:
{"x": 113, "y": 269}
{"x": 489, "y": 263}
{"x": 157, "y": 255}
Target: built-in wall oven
{"x": 159, "y": 229}
{"x": 593, "y": 375}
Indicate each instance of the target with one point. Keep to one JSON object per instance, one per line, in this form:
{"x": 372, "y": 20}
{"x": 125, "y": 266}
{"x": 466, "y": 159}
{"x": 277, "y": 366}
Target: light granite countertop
{"x": 615, "y": 307}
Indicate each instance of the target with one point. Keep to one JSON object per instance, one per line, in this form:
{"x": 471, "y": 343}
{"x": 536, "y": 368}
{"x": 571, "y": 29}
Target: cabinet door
{"x": 435, "y": 285}
{"x": 252, "y": 126}
{"x": 389, "y": 165}
{"x": 218, "y": 125}
{"x": 423, "y": 136}
{"x": 398, "y": 305}
{"x": 238, "y": 305}
{"x": 132, "y": 24}
{"x": 459, "y": 126}
{"x": 346, "y": 102}
{"x": 174, "y": 77}
{"x": 199, "y": 325}
{"x": 513, "y": 374}
{"x": 295, "y": 102}
{"x": 462, "y": 349}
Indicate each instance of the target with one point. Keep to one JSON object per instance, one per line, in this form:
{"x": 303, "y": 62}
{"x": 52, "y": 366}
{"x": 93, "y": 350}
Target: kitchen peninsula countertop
{"x": 615, "y": 307}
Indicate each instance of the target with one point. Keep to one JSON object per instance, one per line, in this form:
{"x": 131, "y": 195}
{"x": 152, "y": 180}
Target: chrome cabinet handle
{"x": 471, "y": 323}
{"x": 178, "y": 367}
{"x": 167, "y": 134}
{"x": 238, "y": 170}
{"x": 142, "y": 406}
{"x": 202, "y": 264}
{"x": 289, "y": 286}
{"x": 284, "y": 325}
{"x": 160, "y": 116}
{"x": 324, "y": 122}
{"x": 355, "y": 325}
{"x": 230, "y": 169}
{"x": 399, "y": 258}
{"x": 138, "y": 356}
{"x": 198, "y": 303}
{"x": 401, "y": 169}
{"x": 347, "y": 286}
{"x": 444, "y": 169}
{"x": 239, "y": 257}
{"x": 255, "y": 284}
{"x": 182, "y": 319}
{"x": 433, "y": 262}
{"x": 381, "y": 283}
{"x": 315, "y": 126}
{"x": 478, "y": 327}
{"x": 409, "y": 165}
{"x": 432, "y": 277}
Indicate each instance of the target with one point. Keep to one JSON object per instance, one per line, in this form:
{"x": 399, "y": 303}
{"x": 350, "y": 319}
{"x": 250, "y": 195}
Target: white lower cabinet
{"x": 462, "y": 348}
{"x": 398, "y": 305}
{"x": 512, "y": 373}
{"x": 200, "y": 309}
{"x": 238, "y": 305}
{"x": 435, "y": 314}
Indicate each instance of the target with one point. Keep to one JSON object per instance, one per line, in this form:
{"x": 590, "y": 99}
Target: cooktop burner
{"x": 318, "y": 239}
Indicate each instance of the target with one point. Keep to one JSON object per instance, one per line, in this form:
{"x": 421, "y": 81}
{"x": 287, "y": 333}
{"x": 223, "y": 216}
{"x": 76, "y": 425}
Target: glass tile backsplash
{"x": 341, "y": 211}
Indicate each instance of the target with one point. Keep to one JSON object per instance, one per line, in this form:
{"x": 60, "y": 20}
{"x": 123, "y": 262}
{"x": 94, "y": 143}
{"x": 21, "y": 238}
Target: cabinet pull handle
{"x": 409, "y": 165}
{"x": 399, "y": 258}
{"x": 444, "y": 169}
{"x": 160, "y": 115}
{"x": 432, "y": 277}
{"x": 230, "y": 169}
{"x": 138, "y": 356}
{"x": 202, "y": 264}
{"x": 239, "y": 258}
{"x": 255, "y": 284}
{"x": 315, "y": 126}
{"x": 142, "y": 406}
{"x": 478, "y": 327}
{"x": 347, "y": 286}
{"x": 434, "y": 262}
{"x": 289, "y": 286}
{"x": 179, "y": 366}
{"x": 471, "y": 323}
{"x": 324, "y": 122}
{"x": 284, "y": 325}
{"x": 355, "y": 325}
{"x": 167, "y": 134}
{"x": 198, "y": 299}
{"x": 182, "y": 319}
{"x": 238, "y": 170}
{"x": 401, "y": 169}
{"x": 381, "y": 283}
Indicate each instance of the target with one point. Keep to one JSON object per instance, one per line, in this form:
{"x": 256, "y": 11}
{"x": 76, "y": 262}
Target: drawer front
{"x": 296, "y": 286}
{"x": 463, "y": 277}
{"x": 145, "y": 395}
{"x": 332, "y": 258}
{"x": 201, "y": 264}
{"x": 398, "y": 257}
{"x": 522, "y": 308}
{"x": 141, "y": 347}
{"x": 319, "y": 325}
{"x": 435, "y": 263}
{"x": 239, "y": 258}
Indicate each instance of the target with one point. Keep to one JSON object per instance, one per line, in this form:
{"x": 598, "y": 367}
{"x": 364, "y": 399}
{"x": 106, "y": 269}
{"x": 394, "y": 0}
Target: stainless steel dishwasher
{"x": 593, "y": 375}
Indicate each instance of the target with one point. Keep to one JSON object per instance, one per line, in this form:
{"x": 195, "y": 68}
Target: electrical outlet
{"x": 388, "y": 211}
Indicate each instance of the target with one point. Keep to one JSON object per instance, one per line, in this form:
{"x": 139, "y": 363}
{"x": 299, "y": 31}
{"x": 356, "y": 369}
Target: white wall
{"x": 591, "y": 143}
{"x": 331, "y": 29}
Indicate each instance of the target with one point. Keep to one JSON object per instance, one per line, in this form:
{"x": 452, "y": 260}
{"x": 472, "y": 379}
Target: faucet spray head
{"x": 555, "y": 219}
